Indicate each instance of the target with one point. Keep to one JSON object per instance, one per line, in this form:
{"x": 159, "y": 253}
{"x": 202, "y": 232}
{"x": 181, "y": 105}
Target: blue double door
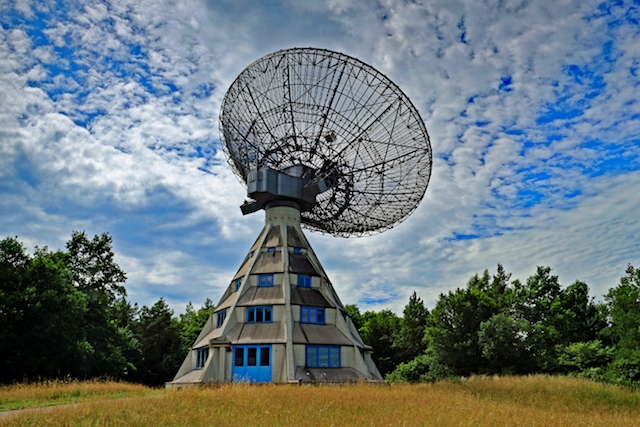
{"x": 252, "y": 363}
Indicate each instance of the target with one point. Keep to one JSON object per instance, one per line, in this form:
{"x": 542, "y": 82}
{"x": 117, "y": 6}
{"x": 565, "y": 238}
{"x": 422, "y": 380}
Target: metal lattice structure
{"x": 343, "y": 119}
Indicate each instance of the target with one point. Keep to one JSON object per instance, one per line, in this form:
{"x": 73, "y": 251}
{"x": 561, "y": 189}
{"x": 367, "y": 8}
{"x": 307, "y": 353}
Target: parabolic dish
{"x": 342, "y": 118}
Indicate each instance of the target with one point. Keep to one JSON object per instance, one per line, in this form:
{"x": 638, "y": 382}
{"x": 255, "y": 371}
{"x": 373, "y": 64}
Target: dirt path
{"x": 41, "y": 409}
{"x": 45, "y": 409}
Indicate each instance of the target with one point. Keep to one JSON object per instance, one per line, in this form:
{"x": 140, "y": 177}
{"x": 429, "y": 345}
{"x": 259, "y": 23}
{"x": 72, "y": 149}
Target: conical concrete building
{"x": 280, "y": 320}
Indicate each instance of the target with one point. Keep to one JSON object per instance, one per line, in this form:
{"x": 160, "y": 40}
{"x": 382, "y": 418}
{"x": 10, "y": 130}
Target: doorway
{"x": 252, "y": 363}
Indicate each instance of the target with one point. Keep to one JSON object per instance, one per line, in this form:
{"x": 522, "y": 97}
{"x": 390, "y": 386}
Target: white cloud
{"x": 126, "y": 136}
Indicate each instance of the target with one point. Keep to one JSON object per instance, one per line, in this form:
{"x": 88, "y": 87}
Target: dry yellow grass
{"x": 46, "y": 393}
{"x": 479, "y": 401}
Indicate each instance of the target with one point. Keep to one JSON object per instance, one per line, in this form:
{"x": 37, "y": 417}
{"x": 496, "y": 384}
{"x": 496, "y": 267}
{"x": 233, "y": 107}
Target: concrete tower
{"x": 280, "y": 320}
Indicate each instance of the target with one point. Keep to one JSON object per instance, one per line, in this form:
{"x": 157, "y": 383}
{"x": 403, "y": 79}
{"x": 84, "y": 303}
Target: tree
{"x": 192, "y": 322}
{"x": 59, "y": 311}
{"x": 354, "y": 313}
{"x": 41, "y": 315}
{"x": 416, "y": 370}
{"x": 378, "y": 331}
{"x": 576, "y": 316}
{"x": 409, "y": 338}
{"x": 158, "y": 332}
{"x": 585, "y": 359}
{"x": 94, "y": 272}
{"x": 623, "y": 304}
{"x": 557, "y": 318}
{"x": 538, "y": 303}
{"x": 453, "y": 326}
{"x": 503, "y": 345}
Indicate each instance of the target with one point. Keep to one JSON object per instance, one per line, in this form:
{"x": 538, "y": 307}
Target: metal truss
{"x": 337, "y": 115}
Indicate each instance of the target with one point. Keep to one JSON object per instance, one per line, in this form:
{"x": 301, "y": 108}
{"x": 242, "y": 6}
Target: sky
{"x": 109, "y": 123}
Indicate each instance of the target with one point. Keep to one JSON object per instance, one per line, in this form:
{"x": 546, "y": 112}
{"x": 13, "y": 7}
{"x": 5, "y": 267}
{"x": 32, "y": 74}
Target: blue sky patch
{"x": 505, "y": 84}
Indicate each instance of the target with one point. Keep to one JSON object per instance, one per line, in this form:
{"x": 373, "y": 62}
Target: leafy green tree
{"x": 159, "y": 335}
{"x": 502, "y": 342}
{"x": 585, "y": 359}
{"x": 453, "y": 326}
{"x": 93, "y": 271}
{"x": 41, "y": 315}
{"x": 538, "y": 303}
{"x": 124, "y": 318}
{"x": 623, "y": 303}
{"x": 413, "y": 371}
{"x": 378, "y": 331}
{"x": 191, "y": 323}
{"x": 557, "y": 318}
{"x": 409, "y": 338}
{"x": 354, "y": 313}
{"x": 576, "y": 316}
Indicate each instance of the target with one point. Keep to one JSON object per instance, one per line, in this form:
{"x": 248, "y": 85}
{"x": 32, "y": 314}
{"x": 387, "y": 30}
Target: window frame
{"x": 259, "y": 309}
{"x": 333, "y": 353}
{"x": 312, "y": 319}
{"x": 202, "y": 354}
{"x": 304, "y": 281}
{"x": 220, "y": 318}
{"x": 238, "y": 283}
{"x": 265, "y": 280}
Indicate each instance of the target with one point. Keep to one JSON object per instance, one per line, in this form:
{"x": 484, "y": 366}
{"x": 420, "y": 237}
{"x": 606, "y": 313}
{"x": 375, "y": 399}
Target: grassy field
{"x": 479, "y": 401}
{"x": 48, "y": 393}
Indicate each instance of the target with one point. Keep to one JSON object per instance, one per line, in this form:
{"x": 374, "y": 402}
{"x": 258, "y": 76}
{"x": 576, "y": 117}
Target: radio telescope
{"x": 345, "y": 123}
{"x": 321, "y": 140}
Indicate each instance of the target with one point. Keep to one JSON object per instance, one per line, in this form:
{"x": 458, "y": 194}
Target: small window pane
{"x": 251, "y": 356}
{"x": 304, "y": 281}
{"x": 251, "y": 318}
{"x": 264, "y": 356}
{"x": 312, "y": 316}
{"x": 220, "y": 319}
{"x": 334, "y": 357}
{"x": 267, "y": 314}
{"x": 201, "y": 357}
{"x": 323, "y": 357}
{"x": 312, "y": 357}
{"x": 259, "y": 313}
{"x": 320, "y": 315}
{"x": 239, "y": 357}
{"x": 304, "y": 315}
{"x": 297, "y": 250}
{"x": 265, "y": 280}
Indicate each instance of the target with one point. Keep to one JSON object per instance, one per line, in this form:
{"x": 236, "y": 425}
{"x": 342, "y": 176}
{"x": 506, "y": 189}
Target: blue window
{"x": 312, "y": 315}
{"x": 238, "y": 283}
{"x": 201, "y": 357}
{"x": 297, "y": 251}
{"x": 220, "y": 318}
{"x": 304, "y": 281}
{"x": 259, "y": 314}
{"x": 271, "y": 249}
{"x": 265, "y": 280}
{"x": 251, "y": 254}
{"x": 323, "y": 356}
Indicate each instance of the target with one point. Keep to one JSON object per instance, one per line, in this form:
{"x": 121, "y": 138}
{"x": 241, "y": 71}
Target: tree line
{"x": 496, "y": 325}
{"x": 65, "y": 313}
